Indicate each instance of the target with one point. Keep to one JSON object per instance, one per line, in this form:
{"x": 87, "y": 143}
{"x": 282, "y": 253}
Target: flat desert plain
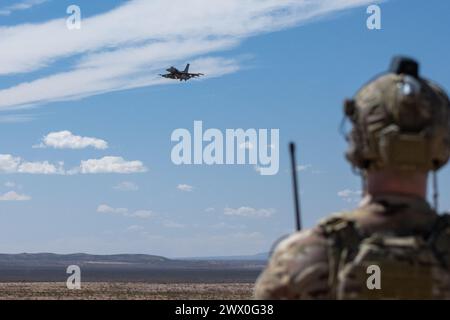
{"x": 130, "y": 277}
{"x": 125, "y": 291}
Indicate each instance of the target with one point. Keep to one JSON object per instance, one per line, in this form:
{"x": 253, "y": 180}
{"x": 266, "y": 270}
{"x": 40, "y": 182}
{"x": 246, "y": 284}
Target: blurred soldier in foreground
{"x": 400, "y": 133}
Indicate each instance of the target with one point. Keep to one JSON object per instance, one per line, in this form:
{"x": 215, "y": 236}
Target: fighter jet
{"x": 176, "y": 74}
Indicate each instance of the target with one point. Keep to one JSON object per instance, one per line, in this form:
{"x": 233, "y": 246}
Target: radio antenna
{"x": 298, "y": 222}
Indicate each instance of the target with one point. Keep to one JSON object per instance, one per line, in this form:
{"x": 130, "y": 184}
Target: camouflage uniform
{"x": 400, "y": 121}
{"x": 303, "y": 266}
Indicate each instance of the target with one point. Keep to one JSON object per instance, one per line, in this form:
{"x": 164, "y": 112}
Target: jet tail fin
{"x": 187, "y": 68}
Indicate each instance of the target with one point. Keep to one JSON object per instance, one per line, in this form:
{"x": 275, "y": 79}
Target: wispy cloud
{"x": 141, "y": 214}
{"x": 10, "y": 164}
{"x": 249, "y": 212}
{"x": 110, "y": 165}
{"x": 127, "y": 46}
{"x": 24, "y": 5}
{"x": 185, "y": 188}
{"x": 67, "y": 140}
{"x": 350, "y": 195}
{"x": 16, "y": 118}
{"x": 14, "y": 196}
{"x": 126, "y": 186}
{"x": 104, "y": 208}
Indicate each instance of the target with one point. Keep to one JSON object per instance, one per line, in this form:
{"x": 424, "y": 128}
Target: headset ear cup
{"x": 353, "y": 153}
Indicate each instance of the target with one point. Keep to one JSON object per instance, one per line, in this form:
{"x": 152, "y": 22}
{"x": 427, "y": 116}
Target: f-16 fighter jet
{"x": 176, "y": 74}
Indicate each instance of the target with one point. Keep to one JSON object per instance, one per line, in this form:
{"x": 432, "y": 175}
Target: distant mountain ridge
{"x": 77, "y": 258}
{"x": 53, "y": 259}
{"x": 51, "y": 267}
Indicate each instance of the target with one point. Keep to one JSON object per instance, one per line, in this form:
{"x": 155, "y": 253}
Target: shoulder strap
{"x": 343, "y": 238}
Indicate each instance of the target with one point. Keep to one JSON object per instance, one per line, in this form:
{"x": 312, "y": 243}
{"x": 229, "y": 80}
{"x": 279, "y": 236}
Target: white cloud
{"x": 185, "y": 188}
{"x": 127, "y": 46}
{"x": 8, "y": 163}
{"x": 110, "y": 165}
{"x": 306, "y": 168}
{"x": 210, "y": 210}
{"x": 104, "y": 208}
{"x": 141, "y": 214}
{"x": 14, "y": 196}
{"x": 67, "y": 140}
{"x": 126, "y": 186}
{"x": 11, "y": 164}
{"x": 24, "y": 5}
{"x": 249, "y": 212}
{"x": 41, "y": 168}
{"x": 350, "y": 195}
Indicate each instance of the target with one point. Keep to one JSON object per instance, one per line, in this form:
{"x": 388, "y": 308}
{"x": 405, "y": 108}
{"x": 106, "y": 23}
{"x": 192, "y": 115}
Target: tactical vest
{"x": 386, "y": 266}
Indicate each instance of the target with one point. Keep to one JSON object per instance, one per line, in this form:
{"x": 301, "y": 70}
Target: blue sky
{"x": 269, "y": 64}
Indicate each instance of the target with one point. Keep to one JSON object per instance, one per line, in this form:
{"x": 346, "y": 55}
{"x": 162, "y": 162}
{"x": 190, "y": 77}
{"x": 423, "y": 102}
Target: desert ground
{"x": 125, "y": 291}
{"x": 130, "y": 277}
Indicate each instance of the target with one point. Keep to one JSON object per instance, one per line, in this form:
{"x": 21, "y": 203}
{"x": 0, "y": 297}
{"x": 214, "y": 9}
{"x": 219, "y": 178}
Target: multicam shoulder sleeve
{"x": 298, "y": 269}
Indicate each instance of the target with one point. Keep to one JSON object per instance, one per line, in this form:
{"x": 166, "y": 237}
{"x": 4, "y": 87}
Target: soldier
{"x": 400, "y": 133}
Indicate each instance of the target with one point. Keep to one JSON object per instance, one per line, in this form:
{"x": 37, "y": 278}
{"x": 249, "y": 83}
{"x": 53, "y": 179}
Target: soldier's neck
{"x": 393, "y": 182}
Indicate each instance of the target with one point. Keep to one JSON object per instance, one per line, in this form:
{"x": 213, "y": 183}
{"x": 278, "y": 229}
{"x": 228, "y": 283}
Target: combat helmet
{"x": 400, "y": 120}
